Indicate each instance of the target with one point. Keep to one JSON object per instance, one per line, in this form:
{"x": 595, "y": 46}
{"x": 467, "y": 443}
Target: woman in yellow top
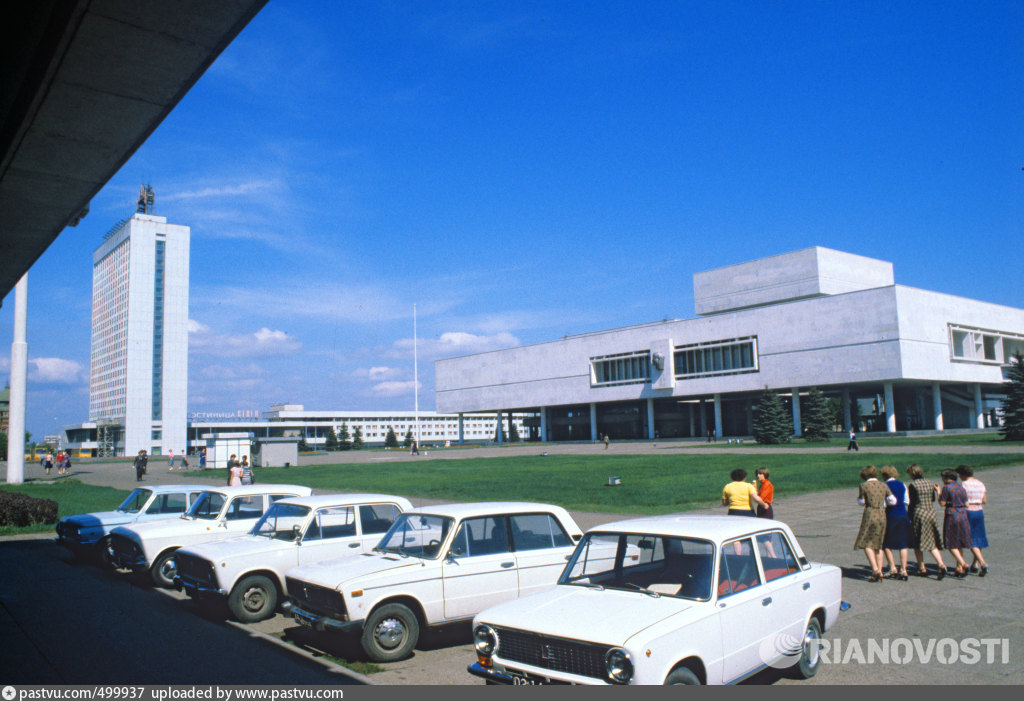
{"x": 740, "y": 495}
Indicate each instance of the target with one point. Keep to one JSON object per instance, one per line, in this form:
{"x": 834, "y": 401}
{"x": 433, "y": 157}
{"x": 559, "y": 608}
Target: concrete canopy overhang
{"x": 84, "y": 84}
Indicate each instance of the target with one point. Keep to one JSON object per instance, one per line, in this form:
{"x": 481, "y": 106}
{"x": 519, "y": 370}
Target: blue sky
{"x": 525, "y": 170}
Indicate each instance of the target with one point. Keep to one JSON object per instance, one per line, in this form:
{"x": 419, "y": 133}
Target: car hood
{"x": 239, "y": 546}
{"x": 567, "y": 611}
{"x": 371, "y": 569}
{"x": 100, "y": 518}
{"x": 170, "y": 527}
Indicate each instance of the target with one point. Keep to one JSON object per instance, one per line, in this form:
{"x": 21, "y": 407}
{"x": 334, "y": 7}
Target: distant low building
{"x": 896, "y": 357}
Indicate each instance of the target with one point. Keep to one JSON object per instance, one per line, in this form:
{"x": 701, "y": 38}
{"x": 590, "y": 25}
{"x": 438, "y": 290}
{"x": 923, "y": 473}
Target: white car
{"x": 687, "y": 600}
{"x": 436, "y": 565}
{"x": 249, "y": 570}
{"x": 89, "y": 534}
{"x": 218, "y": 513}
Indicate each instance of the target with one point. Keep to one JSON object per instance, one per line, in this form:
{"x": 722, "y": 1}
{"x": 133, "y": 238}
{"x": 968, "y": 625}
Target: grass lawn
{"x": 839, "y": 442}
{"x": 651, "y": 484}
{"x": 72, "y": 497}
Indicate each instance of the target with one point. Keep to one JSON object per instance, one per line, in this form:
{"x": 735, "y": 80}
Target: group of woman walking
{"x": 900, "y": 516}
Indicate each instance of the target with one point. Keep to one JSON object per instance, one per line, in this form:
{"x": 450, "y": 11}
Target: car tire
{"x": 162, "y": 571}
{"x": 105, "y": 553}
{"x": 810, "y": 651}
{"x": 390, "y": 633}
{"x": 253, "y": 598}
{"x": 682, "y": 675}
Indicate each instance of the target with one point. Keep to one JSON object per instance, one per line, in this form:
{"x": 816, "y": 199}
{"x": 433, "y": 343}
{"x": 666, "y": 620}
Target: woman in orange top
{"x": 766, "y": 491}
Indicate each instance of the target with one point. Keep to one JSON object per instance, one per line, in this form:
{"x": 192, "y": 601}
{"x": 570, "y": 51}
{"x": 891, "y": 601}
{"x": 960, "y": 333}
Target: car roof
{"x": 260, "y": 489}
{"x": 161, "y": 488}
{"x": 319, "y": 500}
{"x": 485, "y": 508}
{"x": 709, "y": 527}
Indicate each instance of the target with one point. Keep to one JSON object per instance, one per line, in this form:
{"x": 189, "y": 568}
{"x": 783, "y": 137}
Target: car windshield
{"x": 653, "y": 564}
{"x": 207, "y": 506}
{"x": 419, "y": 535}
{"x": 282, "y": 521}
{"x": 135, "y": 501}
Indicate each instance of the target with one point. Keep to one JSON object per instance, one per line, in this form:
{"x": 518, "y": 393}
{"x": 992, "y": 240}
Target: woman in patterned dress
{"x": 927, "y": 535}
{"x": 976, "y": 499}
{"x": 874, "y": 495}
{"x": 956, "y": 529}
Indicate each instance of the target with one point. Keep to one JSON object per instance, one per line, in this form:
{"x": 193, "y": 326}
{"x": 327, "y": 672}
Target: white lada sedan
{"x": 686, "y": 600}
{"x": 218, "y": 513}
{"x": 436, "y": 565}
{"x": 249, "y": 570}
{"x": 89, "y": 534}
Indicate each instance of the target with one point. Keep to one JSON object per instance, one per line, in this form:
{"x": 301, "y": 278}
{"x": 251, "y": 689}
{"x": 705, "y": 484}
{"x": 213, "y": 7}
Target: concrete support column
{"x": 937, "y": 405}
{"x": 703, "y": 419}
{"x": 650, "y": 419}
{"x": 890, "y": 408}
{"x": 979, "y": 411}
{"x": 462, "y": 432}
{"x": 693, "y": 422}
{"x": 500, "y": 432}
{"x": 718, "y": 415}
{"x": 750, "y": 418}
{"x": 19, "y": 373}
{"x": 543, "y": 423}
{"x": 593, "y": 421}
{"x": 797, "y": 426}
{"x": 847, "y": 416}
{"x": 508, "y": 415}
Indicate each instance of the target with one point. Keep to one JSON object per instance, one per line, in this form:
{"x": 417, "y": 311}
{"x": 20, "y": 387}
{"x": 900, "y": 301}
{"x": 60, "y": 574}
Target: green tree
{"x": 303, "y": 446}
{"x": 357, "y": 438}
{"x": 816, "y": 416}
{"x": 331, "y": 443}
{"x": 344, "y": 438}
{"x": 407, "y": 441}
{"x": 1013, "y": 401}
{"x": 3, "y": 444}
{"x": 513, "y": 432}
{"x": 772, "y": 424}
{"x": 391, "y": 440}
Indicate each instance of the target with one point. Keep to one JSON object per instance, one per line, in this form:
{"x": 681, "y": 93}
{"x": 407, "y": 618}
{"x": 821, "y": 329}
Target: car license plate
{"x": 522, "y": 679}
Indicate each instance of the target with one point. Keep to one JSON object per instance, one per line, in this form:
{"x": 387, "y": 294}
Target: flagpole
{"x": 415, "y": 374}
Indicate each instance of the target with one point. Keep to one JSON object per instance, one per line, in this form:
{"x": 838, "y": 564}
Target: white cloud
{"x": 248, "y": 188}
{"x": 393, "y": 389}
{"x": 55, "y": 370}
{"x": 378, "y": 373}
{"x": 205, "y": 341}
{"x": 454, "y": 343}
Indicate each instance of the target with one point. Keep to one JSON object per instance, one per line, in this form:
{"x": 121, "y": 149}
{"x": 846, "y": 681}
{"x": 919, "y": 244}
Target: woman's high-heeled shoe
{"x": 876, "y": 576}
{"x": 904, "y": 576}
{"x": 921, "y": 572}
{"x": 942, "y": 574}
{"x": 960, "y": 573}
{"x": 984, "y": 571}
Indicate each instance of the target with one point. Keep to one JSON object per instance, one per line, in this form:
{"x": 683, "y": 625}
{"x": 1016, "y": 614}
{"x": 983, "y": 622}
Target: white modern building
{"x": 138, "y": 384}
{"x": 898, "y": 358}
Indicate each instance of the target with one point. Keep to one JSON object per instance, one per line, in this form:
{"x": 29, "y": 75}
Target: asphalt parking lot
{"x": 64, "y": 622}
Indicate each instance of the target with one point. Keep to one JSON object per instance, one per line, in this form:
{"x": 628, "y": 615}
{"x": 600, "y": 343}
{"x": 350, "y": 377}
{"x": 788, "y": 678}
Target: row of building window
{"x": 725, "y": 357}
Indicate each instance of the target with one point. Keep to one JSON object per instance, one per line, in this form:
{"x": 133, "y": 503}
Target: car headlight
{"x": 619, "y": 665}
{"x": 485, "y": 639}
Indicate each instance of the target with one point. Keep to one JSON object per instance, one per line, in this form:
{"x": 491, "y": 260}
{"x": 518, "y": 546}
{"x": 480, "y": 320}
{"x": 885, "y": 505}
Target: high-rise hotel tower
{"x": 138, "y": 385}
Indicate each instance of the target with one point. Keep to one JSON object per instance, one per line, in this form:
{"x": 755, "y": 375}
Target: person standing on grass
{"x": 739, "y": 495}
{"x": 874, "y": 496}
{"x": 766, "y": 491}
{"x": 927, "y": 535}
{"x": 956, "y": 528}
{"x": 976, "y": 499}
{"x": 852, "y": 445}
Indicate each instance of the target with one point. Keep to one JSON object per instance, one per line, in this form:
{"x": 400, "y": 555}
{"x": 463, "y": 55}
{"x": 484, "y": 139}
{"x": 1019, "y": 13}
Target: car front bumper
{"x": 197, "y": 590}
{"x": 320, "y": 622}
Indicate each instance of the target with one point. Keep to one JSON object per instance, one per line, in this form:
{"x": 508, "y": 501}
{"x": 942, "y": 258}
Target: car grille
{"x": 556, "y": 654}
{"x": 319, "y": 599}
{"x": 124, "y": 547}
{"x": 67, "y": 530}
{"x": 195, "y": 569}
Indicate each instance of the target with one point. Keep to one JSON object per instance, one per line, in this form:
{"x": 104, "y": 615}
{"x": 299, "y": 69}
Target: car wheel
{"x": 682, "y": 675}
{"x": 390, "y": 633}
{"x": 810, "y": 651}
{"x": 105, "y": 553}
{"x": 253, "y": 599}
{"x": 164, "y": 570}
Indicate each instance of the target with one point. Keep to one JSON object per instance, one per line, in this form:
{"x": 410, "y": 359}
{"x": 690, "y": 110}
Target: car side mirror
{"x": 298, "y": 534}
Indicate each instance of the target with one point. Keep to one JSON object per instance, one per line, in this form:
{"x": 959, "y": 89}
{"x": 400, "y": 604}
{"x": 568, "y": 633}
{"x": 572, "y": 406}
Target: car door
{"x": 242, "y": 513}
{"x": 374, "y": 522}
{"x": 480, "y": 569}
{"x": 331, "y": 534}
{"x": 789, "y": 588}
{"x": 542, "y": 547}
{"x": 744, "y": 609}
{"x": 165, "y": 504}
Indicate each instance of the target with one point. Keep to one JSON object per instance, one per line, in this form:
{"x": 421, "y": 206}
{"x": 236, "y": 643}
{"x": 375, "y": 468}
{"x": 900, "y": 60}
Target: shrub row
{"x": 22, "y": 510}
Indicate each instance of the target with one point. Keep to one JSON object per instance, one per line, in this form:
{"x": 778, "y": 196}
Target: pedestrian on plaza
{"x": 607, "y": 440}
{"x": 246, "y": 470}
{"x": 852, "y": 445}
{"x": 234, "y": 472}
{"x": 739, "y": 495}
{"x": 170, "y": 462}
{"x": 976, "y": 499}
{"x": 927, "y": 535}
{"x": 874, "y": 496}
{"x": 48, "y": 461}
{"x": 898, "y": 530}
{"x": 140, "y": 465}
{"x": 414, "y": 448}
{"x": 766, "y": 491}
{"x": 202, "y": 458}
{"x": 956, "y": 528}
{"x": 184, "y": 461}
